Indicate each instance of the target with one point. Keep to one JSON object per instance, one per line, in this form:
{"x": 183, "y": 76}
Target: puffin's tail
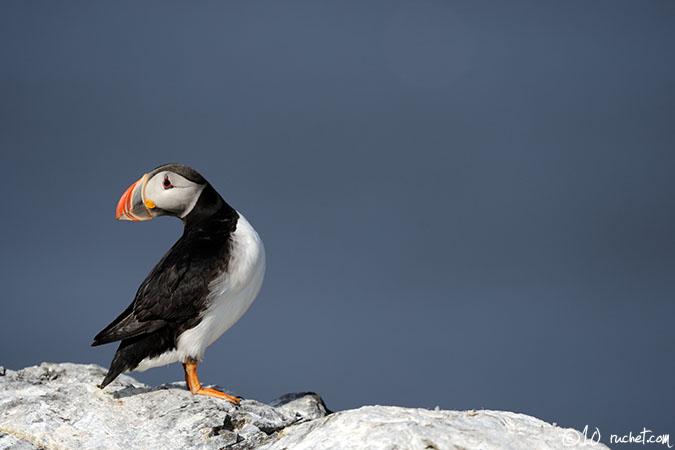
{"x": 120, "y": 363}
{"x": 132, "y": 351}
{"x": 109, "y": 377}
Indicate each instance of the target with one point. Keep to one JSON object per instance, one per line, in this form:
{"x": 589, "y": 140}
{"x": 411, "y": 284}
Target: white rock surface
{"x": 58, "y": 406}
{"x": 8, "y": 442}
{"x": 392, "y": 427}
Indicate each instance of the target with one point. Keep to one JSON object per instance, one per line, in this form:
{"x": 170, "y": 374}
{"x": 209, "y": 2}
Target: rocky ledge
{"x": 58, "y": 406}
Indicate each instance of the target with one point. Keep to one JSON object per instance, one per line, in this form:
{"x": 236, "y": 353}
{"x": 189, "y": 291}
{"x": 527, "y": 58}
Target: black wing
{"x": 174, "y": 292}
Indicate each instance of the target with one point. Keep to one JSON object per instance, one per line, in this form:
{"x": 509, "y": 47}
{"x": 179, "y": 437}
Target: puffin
{"x": 200, "y": 287}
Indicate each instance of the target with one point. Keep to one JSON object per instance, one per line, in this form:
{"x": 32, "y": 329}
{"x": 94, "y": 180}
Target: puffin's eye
{"x": 167, "y": 183}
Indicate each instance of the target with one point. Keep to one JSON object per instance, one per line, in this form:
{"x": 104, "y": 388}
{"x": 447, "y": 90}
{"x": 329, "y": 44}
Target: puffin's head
{"x": 171, "y": 189}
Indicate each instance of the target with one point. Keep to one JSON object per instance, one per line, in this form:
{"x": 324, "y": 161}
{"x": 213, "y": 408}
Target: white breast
{"x": 230, "y": 296}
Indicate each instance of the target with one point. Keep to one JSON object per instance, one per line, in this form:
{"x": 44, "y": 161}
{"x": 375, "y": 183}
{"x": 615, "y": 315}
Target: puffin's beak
{"x": 132, "y": 204}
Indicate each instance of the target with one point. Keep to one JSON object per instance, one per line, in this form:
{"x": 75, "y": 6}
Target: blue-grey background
{"x": 464, "y": 204}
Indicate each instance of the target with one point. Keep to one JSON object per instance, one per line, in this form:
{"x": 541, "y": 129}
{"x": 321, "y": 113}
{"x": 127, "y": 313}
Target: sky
{"x": 463, "y": 204}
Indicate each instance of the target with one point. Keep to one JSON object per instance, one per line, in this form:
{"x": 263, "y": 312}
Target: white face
{"x": 171, "y": 192}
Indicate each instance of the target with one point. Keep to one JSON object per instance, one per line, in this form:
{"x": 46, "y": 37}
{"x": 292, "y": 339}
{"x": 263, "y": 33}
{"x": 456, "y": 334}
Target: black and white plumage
{"x": 199, "y": 289}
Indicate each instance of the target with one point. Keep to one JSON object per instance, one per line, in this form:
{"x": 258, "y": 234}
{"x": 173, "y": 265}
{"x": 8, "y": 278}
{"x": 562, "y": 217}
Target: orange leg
{"x": 197, "y": 389}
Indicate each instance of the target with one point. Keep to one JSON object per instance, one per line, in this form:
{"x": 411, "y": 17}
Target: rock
{"x": 59, "y": 406}
{"x": 8, "y": 442}
{"x": 304, "y": 406}
{"x": 392, "y": 427}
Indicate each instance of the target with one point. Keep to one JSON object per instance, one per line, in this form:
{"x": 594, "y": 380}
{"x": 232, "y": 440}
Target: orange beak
{"x": 132, "y": 204}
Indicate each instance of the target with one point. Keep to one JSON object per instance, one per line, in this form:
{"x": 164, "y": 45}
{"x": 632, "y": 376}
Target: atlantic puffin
{"x": 201, "y": 286}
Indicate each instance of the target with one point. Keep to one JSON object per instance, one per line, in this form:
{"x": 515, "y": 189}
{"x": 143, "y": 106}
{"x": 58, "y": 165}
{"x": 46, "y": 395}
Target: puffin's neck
{"x": 209, "y": 207}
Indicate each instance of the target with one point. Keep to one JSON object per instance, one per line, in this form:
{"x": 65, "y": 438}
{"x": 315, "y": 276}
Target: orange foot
{"x": 197, "y": 389}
